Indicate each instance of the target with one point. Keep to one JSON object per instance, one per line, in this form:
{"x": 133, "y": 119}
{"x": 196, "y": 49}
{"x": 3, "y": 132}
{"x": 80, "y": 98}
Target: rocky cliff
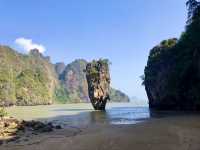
{"x": 26, "y": 79}
{"x": 172, "y": 74}
{"x": 73, "y": 80}
{"x": 98, "y": 79}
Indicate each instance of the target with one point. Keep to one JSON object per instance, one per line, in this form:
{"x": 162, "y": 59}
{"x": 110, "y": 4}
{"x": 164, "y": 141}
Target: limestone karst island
{"x": 100, "y": 75}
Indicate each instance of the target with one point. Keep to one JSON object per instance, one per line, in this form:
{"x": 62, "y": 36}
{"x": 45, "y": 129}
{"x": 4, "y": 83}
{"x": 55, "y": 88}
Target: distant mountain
{"x": 118, "y": 96}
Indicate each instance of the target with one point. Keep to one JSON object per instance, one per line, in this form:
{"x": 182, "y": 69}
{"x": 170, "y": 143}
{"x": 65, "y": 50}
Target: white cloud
{"x": 27, "y": 44}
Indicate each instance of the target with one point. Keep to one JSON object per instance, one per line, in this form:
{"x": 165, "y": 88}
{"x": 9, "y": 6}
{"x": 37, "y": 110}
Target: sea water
{"x": 82, "y": 114}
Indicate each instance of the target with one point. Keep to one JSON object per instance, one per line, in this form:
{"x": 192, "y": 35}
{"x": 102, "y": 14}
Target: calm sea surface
{"x": 82, "y": 114}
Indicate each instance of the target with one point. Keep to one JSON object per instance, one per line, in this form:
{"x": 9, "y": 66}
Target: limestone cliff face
{"x": 98, "y": 79}
{"x": 172, "y": 74}
{"x": 74, "y": 81}
{"x": 172, "y": 78}
{"x": 157, "y": 73}
{"x": 26, "y": 79}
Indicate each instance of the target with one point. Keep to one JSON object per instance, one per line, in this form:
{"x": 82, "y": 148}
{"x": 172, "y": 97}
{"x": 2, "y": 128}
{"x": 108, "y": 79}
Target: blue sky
{"x": 121, "y": 30}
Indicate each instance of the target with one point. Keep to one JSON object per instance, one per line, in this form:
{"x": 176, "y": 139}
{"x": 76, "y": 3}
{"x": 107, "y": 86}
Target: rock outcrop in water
{"x": 172, "y": 74}
{"x": 98, "y": 79}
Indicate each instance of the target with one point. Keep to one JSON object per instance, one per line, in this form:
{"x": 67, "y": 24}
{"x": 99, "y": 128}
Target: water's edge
{"x": 82, "y": 114}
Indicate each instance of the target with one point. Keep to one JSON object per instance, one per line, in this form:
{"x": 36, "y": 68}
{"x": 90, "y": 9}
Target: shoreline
{"x": 170, "y": 133}
{"x": 41, "y": 112}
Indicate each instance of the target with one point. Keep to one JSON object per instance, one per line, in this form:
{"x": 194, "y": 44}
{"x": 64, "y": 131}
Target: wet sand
{"x": 167, "y": 133}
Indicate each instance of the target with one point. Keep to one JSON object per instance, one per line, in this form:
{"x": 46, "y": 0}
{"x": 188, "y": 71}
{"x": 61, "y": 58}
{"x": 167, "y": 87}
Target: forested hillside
{"x": 26, "y": 79}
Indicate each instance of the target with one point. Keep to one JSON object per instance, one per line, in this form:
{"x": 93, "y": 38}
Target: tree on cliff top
{"x": 193, "y": 9}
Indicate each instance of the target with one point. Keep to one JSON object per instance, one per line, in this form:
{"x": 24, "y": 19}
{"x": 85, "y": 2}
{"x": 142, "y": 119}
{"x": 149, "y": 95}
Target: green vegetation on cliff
{"x": 25, "y": 79}
{"x": 172, "y": 74}
{"x": 98, "y": 79}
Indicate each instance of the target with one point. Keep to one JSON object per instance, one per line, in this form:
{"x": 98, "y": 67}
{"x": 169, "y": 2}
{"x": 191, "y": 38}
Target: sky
{"x": 123, "y": 31}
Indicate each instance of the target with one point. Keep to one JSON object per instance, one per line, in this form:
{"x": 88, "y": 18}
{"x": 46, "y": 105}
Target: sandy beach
{"x": 170, "y": 133}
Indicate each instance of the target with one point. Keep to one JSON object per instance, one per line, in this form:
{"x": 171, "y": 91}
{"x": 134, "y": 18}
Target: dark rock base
{"x": 99, "y": 105}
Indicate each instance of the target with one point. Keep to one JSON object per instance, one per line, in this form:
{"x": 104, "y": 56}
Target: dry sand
{"x": 171, "y": 133}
